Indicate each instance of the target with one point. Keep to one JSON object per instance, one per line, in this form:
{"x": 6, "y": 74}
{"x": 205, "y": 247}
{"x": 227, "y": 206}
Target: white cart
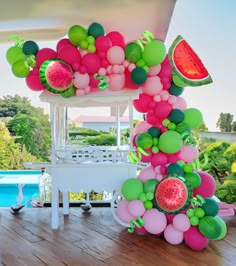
{"x": 73, "y": 167}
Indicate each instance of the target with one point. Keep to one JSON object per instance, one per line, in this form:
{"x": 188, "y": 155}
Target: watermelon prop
{"x": 173, "y": 195}
{"x": 188, "y": 69}
{"x": 56, "y": 75}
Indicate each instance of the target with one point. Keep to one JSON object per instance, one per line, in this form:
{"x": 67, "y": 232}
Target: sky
{"x": 209, "y": 27}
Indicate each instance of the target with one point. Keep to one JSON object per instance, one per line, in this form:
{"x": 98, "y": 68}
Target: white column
{"x": 131, "y": 117}
{"x": 118, "y": 125}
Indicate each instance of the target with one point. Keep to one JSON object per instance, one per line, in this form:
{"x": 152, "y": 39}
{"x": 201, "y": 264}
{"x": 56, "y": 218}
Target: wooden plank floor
{"x": 97, "y": 239}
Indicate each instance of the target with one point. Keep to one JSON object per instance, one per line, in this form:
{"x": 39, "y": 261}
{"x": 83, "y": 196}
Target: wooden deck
{"x": 96, "y": 239}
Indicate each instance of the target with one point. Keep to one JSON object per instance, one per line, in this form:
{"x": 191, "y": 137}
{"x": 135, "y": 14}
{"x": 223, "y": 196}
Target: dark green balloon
{"x": 175, "y": 169}
{"x": 176, "y": 116}
{"x": 30, "y": 48}
{"x": 182, "y": 128}
{"x": 193, "y": 178}
{"x": 138, "y": 75}
{"x": 175, "y": 90}
{"x": 154, "y": 132}
{"x": 210, "y": 207}
{"x": 95, "y": 29}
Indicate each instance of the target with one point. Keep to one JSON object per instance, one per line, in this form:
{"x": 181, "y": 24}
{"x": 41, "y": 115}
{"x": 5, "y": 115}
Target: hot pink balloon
{"x": 141, "y": 127}
{"x": 163, "y": 109}
{"x": 103, "y": 43}
{"x": 172, "y": 235}
{"x": 81, "y": 81}
{"x": 147, "y": 173}
{"x": 91, "y": 62}
{"x": 116, "y": 82}
{"x": 140, "y": 230}
{"x": 115, "y": 55}
{"x": 142, "y": 103}
{"x": 69, "y": 54}
{"x": 116, "y": 38}
{"x": 45, "y": 54}
{"x": 207, "y": 187}
{"x": 188, "y": 153}
{"x": 136, "y": 208}
{"x": 154, "y": 221}
{"x": 152, "y": 86}
{"x": 181, "y": 222}
{"x": 194, "y": 239}
{"x": 159, "y": 158}
{"x": 33, "y": 81}
{"x": 123, "y": 213}
{"x": 63, "y": 42}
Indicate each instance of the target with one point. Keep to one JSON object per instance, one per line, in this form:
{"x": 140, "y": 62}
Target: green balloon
{"x": 150, "y": 185}
{"x": 182, "y": 128}
{"x": 144, "y": 141}
{"x": 175, "y": 168}
{"x": 175, "y": 90}
{"x": 193, "y": 178}
{"x": 95, "y": 29}
{"x": 193, "y": 117}
{"x": 133, "y": 52}
{"x": 14, "y": 54}
{"x": 30, "y": 48}
{"x": 138, "y": 75}
{"x": 210, "y": 227}
{"x": 210, "y": 207}
{"x": 170, "y": 142}
{"x": 176, "y": 116}
{"x": 132, "y": 188}
{"x": 76, "y": 34}
{"x": 154, "y": 53}
{"x": 223, "y": 227}
{"x": 69, "y": 92}
{"x": 20, "y": 70}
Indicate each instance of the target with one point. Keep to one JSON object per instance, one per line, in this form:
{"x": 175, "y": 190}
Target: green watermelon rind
{"x": 43, "y": 79}
{"x": 184, "y": 79}
{"x": 187, "y": 203}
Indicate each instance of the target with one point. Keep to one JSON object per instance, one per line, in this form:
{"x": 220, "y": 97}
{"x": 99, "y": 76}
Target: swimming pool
{"x": 9, "y": 181}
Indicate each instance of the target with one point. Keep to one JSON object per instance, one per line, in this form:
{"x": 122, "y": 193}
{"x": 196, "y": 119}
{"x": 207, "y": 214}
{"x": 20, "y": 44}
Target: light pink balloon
{"x": 147, "y": 173}
{"x": 123, "y": 213}
{"x": 181, "y": 222}
{"x": 81, "y": 81}
{"x": 154, "y": 70}
{"x": 188, "y": 153}
{"x": 116, "y": 82}
{"x": 154, "y": 221}
{"x": 152, "y": 86}
{"x": 141, "y": 127}
{"x": 180, "y": 103}
{"x": 115, "y": 55}
{"x": 172, "y": 235}
{"x": 136, "y": 208}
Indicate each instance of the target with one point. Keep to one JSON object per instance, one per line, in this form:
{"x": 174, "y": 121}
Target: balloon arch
{"x": 171, "y": 196}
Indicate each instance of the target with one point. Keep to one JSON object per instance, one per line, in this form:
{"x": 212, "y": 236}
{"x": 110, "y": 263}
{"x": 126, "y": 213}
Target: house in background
{"x": 105, "y": 123}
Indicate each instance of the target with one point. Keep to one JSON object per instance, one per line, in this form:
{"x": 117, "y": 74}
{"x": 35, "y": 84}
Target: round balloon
{"x": 170, "y": 142}
{"x": 154, "y": 52}
{"x": 132, "y": 188}
{"x": 150, "y": 219}
{"x": 193, "y": 117}
{"x": 77, "y": 34}
{"x": 173, "y": 235}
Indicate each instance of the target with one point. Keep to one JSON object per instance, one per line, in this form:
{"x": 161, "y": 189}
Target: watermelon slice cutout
{"x": 56, "y": 75}
{"x": 173, "y": 195}
{"x": 188, "y": 68}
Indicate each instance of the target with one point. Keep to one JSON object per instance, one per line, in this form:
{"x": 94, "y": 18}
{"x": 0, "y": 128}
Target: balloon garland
{"x": 171, "y": 196}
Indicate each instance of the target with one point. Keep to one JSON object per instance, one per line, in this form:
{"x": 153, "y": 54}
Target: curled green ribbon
{"x": 148, "y": 36}
{"x": 196, "y": 164}
{"x": 136, "y": 157}
{"x": 139, "y": 223}
{"x": 197, "y": 201}
{"x": 186, "y": 139}
{"x": 102, "y": 84}
{"x": 19, "y": 42}
{"x": 30, "y": 61}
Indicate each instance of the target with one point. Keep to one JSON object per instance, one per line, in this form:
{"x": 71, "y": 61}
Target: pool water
{"x": 9, "y": 181}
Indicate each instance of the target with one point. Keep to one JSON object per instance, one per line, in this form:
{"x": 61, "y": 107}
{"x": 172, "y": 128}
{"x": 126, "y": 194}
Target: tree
{"x": 28, "y": 124}
{"x": 233, "y": 127}
{"x": 12, "y": 154}
{"x": 224, "y": 122}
